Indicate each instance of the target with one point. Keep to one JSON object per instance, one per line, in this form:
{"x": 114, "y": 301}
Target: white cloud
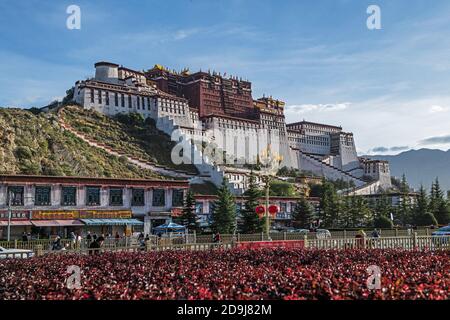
{"x": 306, "y": 108}
{"x": 437, "y": 109}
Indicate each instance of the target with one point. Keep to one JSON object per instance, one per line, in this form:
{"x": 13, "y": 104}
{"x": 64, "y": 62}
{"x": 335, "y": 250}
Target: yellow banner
{"x": 80, "y": 214}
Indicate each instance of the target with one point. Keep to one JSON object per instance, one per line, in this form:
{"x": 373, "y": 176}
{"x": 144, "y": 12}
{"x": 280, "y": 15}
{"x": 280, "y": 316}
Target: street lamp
{"x": 270, "y": 163}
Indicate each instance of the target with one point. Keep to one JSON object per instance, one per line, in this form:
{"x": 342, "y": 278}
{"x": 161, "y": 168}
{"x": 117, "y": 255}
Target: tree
{"x": 383, "y": 222}
{"x": 251, "y": 223}
{"x": 282, "y": 189}
{"x": 442, "y": 215}
{"x": 304, "y": 213}
{"x": 422, "y": 216}
{"x": 356, "y": 213}
{"x": 330, "y": 205}
{"x": 436, "y": 196}
{"x": 224, "y": 213}
{"x": 383, "y": 207}
{"x": 188, "y": 217}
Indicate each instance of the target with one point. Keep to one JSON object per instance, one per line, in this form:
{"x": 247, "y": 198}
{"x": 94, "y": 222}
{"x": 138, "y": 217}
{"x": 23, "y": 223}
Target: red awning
{"x": 15, "y": 223}
{"x": 57, "y": 223}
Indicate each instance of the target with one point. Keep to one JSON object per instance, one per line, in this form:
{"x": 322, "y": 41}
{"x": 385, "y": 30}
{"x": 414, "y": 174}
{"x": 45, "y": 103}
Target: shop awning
{"x": 57, "y": 223}
{"x": 15, "y": 223}
{"x": 112, "y": 222}
{"x": 70, "y": 223}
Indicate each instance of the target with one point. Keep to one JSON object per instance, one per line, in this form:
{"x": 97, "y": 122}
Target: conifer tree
{"x": 188, "y": 217}
{"x": 224, "y": 213}
{"x": 422, "y": 215}
{"x": 330, "y": 205}
{"x": 304, "y": 214}
{"x": 251, "y": 223}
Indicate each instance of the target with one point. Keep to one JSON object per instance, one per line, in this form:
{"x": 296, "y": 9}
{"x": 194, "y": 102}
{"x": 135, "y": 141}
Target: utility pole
{"x": 9, "y": 217}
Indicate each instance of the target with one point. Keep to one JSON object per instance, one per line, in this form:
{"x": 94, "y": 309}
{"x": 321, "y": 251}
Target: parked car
{"x": 15, "y": 253}
{"x": 302, "y": 231}
{"x": 444, "y": 231}
{"x": 323, "y": 234}
{"x": 441, "y": 235}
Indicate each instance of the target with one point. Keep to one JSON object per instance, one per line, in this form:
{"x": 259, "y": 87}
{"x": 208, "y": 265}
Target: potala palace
{"x": 200, "y": 107}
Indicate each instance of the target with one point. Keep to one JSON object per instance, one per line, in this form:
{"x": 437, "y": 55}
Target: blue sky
{"x": 390, "y": 87}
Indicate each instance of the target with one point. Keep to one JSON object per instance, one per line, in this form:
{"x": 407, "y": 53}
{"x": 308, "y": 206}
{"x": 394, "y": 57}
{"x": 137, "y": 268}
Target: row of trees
{"x": 335, "y": 210}
{"x": 339, "y": 211}
{"x": 224, "y": 213}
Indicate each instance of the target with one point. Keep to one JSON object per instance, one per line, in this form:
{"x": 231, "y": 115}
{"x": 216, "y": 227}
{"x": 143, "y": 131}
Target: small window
{"x": 115, "y": 197}
{"x": 100, "y": 96}
{"x": 42, "y": 196}
{"x": 16, "y": 196}
{"x": 137, "y": 198}
{"x": 123, "y": 100}
{"x": 177, "y": 198}
{"x": 138, "y": 102}
{"x": 159, "y": 198}
{"x": 69, "y": 196}
{"x": 92, "y": 95}
{"x": 93, "y": 196}
{"x": 199, "y": 208}
{"x": 130, "y": 102}
{"x": 107, "y": 98}
{"x": 116, "y": 99}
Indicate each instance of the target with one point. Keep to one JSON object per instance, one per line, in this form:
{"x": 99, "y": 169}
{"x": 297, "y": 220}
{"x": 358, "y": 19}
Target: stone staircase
{"x": 329, "y": 170}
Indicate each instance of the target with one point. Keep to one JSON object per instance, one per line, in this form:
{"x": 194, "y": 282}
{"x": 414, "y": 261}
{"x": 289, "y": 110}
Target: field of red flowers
{"x": 231, "y": 274}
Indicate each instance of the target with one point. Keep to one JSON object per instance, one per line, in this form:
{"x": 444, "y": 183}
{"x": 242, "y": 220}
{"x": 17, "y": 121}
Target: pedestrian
{"x": 56, "y": 245}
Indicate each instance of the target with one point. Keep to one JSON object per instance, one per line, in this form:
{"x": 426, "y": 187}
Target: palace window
{"x": 148, "y": 103}
{"x": 93, "y": 196}
{"x": 42, "y": 196}
{"x": 16, "y": 196}
{"x": 115, "y": 197}
{"x": 100, "y": 96}
{"x": 116, "y": 99}
{"x": 92, "y": 95}
{"x": 177, "y": 198}
{"x": 137, "y": 198}
{"x": 69, "y": 196}
{"x": 159, "y": 196}
{"x": 123, "y": 100}
{"x": 138, "y": 102}
{"x": 130, "y": 101}
{"x": 107, "y": 98}
{"x": 198, "y": 208}
{"x": 143, "y": 103}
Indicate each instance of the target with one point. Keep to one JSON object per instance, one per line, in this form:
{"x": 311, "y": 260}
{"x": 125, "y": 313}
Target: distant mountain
{"x": 420, "y": 166}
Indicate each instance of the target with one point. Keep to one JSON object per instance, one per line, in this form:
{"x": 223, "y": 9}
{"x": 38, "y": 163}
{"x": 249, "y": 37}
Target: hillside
{"x": 128, "y": 135}
{"x": 37, "y": 145}
{"x": 421, "y": 166}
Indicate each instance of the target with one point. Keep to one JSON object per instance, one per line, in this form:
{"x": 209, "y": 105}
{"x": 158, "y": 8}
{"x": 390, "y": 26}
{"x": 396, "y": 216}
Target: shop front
{"x": 18, "y": 221}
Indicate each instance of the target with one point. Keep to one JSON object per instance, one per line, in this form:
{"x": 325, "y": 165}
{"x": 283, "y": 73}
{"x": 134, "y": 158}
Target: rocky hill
{"x": 36, "y": 144}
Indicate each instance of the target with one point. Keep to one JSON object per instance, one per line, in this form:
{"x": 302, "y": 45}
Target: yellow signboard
{"x": 80, "y": 214}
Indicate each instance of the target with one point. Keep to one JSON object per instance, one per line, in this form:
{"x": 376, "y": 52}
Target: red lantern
{"x": 260, "y": 210}
{"x": 273, "y": 209}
